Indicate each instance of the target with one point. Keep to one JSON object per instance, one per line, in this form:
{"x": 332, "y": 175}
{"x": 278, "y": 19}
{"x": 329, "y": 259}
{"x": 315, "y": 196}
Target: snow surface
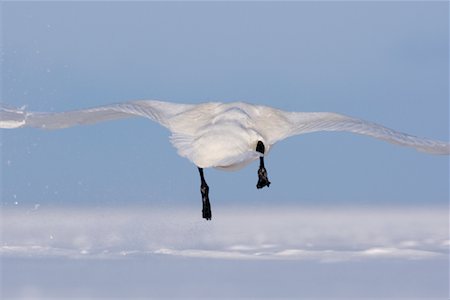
{"x": 293, "y": 251}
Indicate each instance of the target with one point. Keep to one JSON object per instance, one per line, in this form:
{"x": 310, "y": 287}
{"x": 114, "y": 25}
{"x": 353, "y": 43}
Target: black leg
{"x": 263, "y": 180}
{"x": 204, "y": 189}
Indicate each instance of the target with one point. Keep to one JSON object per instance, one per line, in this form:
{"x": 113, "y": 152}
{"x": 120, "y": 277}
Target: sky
{"x": 343, "y": 211}
{"x": 384, "y": 62}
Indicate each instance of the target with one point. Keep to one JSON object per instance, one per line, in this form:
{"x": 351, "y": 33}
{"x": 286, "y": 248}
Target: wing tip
{"x": 12, "y": 117}
{"x": 439, "y": 149}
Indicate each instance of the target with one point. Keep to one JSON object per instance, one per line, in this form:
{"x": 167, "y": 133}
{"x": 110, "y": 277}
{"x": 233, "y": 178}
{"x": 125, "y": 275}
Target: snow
{"x": 134, "y": 252}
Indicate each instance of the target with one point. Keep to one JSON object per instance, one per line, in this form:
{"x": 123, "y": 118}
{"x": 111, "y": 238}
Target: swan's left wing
{"x": 299, "y": 123}
{"x": 157, "y": 111}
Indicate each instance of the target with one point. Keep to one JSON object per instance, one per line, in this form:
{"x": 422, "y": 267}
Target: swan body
{"x": 227, "y": 136}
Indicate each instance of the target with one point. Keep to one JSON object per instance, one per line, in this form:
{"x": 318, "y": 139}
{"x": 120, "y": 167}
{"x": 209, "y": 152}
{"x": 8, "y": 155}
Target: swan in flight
{"x": 226, "y": 136}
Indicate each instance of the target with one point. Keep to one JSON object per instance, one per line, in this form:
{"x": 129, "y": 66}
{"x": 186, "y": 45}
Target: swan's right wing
{"x": 157, "y": 111}
{"x": 296, "y": 123}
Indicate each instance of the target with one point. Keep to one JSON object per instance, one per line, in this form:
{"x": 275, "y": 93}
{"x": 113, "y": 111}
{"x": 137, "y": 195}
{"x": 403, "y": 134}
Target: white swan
{"x": 220, "y": 135}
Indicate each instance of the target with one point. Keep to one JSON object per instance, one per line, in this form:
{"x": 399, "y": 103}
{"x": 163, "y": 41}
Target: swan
{"x": 225, "y": 136}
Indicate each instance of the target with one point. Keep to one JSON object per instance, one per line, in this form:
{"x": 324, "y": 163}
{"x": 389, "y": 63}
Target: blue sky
{"x": 384, "y": 62}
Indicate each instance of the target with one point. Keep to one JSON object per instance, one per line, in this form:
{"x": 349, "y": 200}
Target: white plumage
{"x": 220, "y": 135}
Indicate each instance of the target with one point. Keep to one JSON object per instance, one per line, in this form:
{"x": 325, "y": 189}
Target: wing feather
{"x": 301, "y": 123}
{"x": 157, "y": 111}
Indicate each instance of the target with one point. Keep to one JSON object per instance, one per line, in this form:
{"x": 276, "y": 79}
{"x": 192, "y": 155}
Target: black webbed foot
{"x": 206, "y": 210}
{"x": 204, "y": 189}
{"x": 263, "y": 180}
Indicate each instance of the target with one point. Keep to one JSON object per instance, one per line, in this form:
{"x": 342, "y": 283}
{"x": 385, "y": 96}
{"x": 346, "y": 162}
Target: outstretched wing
{"x": 300, "y": 123}
{"x": 157, "y": 111}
